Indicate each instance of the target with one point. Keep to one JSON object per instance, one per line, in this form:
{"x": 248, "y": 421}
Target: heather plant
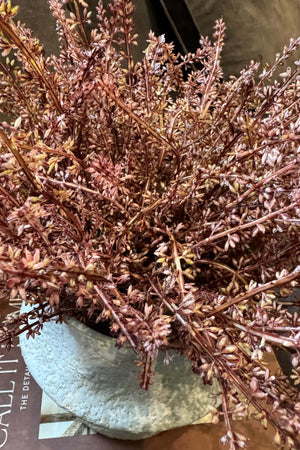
{"x": 156, "y": 197}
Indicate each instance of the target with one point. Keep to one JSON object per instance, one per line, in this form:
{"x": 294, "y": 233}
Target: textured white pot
{"x": 83, "y": 372}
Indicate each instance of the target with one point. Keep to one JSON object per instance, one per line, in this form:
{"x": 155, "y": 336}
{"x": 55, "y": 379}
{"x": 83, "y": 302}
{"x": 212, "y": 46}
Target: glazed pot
{"x": 83, "y": 372}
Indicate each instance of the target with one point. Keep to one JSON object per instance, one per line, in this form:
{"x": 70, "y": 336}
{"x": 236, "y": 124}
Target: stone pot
{"x": 83, "y": 372}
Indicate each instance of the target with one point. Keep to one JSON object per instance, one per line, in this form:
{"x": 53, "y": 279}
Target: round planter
{"x": 83, "y": 372}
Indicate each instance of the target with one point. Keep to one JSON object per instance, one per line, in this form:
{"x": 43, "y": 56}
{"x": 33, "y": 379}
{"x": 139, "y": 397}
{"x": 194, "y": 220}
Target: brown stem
{"x": 46, "y": 149}
{"x": 247, "y": 225}
{"x": 8, "y": 29}
{"x": 268, "y": 337}
{"x": 265, "y": 180}
{"x": 8, "y": 142}
{"x": 202, "y": 346}
{"x": 142, "y": 123}
{"x": 21, "y": 95}
{"x": 35, "y": 274}
{"x": 222, "y": 266}
{"x": 9, "y": 196}
{"x": 227, "y": 418}
{"x": 277, "y": 94}
{"x": 146, "y": 373}
{"x": 85, "y": 189}
{"x": 83, "y": 33}
{"x": 265, "y": 287}
{"x": 178, "y": 266}
{"x": 267, "y": 261}
{"x": 104, "y": 300}
{"x": 17, "y": 331}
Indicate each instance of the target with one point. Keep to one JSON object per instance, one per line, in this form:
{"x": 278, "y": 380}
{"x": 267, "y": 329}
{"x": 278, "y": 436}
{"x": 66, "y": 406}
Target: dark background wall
{"x": 256, "y": 29}
{"x": 37, "y": 16}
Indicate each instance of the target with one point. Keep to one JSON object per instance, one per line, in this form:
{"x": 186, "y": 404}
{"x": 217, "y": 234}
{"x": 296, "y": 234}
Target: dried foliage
{"x": 156, "y": 196}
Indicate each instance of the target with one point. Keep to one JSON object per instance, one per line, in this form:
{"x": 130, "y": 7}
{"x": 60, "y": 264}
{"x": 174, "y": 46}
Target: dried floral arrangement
{"x": 156, "y": 196}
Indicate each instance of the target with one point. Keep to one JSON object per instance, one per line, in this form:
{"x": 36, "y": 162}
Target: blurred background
{"x": 256, "y": 29}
